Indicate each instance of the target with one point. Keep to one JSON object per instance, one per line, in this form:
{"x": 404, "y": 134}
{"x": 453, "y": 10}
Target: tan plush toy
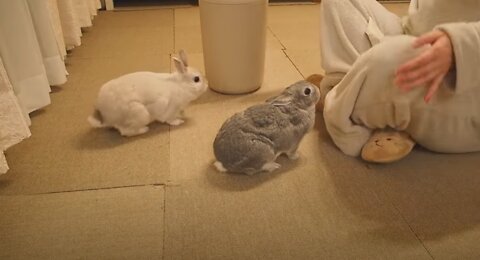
{"x": 387, "y": 146}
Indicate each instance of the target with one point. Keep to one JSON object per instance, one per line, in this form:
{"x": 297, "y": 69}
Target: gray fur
{"x": 250, "y": 141}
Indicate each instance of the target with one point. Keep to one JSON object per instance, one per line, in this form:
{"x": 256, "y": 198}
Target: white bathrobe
{"x": 360, "y": 59}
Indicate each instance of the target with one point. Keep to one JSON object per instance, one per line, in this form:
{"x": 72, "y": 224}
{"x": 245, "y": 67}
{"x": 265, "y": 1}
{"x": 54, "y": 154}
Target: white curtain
{"x": 83, "y": 9}
{"x": 20, "y": 52}
{"x": 34, "y": 37}
{"x": 70, "y": 24}
{"x": 13, "y": 123}
{"x": 57, "y": 27}
{"x": 45, "y": 31}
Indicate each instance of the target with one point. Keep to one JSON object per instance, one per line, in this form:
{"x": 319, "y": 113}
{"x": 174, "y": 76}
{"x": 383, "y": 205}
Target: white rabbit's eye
{"x": 196, "y": 79}
{"x": 307, "y": 91}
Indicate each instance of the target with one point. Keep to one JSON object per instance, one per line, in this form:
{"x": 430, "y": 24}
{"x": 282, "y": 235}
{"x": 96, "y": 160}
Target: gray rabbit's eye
{"x": 307, "y": 91}
{"x": 196, "y": 79}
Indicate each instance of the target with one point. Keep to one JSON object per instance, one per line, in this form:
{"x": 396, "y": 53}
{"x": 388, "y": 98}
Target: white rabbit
{"x": 132, "y": 101}
{"x": 250, "y": 141}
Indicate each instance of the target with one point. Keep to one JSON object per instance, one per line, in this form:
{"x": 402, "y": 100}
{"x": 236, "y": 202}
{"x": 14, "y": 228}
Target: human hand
{"x": 430, "y": 67}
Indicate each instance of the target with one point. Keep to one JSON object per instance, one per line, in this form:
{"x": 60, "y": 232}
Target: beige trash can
{"x": 233, "y": 37}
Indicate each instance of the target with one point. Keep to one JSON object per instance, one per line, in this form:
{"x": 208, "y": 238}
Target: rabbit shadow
{"x": 4, "y": 183}
{"x": 106, "y": 138}
{"x": 435, "y": 195}
{"x": 37, "y": 113}
{"x": 242, "y": 182}
{"x": 55, "y": 89}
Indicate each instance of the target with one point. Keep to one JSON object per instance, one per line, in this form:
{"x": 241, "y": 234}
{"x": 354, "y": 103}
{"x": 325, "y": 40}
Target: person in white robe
{"x": 417, "y": 75}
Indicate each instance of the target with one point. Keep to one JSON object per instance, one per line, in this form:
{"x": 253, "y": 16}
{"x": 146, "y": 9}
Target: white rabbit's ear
{"x": 281, "y": 100}
{"x": 179, "y": 65}
{"x": 183, "y": 57}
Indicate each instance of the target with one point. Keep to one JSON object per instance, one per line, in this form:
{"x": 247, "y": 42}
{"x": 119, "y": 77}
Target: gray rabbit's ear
{"x": 281, "y": 100}
{"x": 179, "y": 65}
{"x": 183, "y": 57}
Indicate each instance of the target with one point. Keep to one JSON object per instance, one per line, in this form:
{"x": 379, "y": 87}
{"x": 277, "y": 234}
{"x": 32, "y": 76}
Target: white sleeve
{"x": 465, "y": 38}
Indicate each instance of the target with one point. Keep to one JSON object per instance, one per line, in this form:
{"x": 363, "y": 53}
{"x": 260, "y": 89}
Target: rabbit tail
{"x": 219, "y": 166}
{"x": 96, "y": 119}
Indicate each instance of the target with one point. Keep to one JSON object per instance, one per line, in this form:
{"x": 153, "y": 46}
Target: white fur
{"x": 132, "y": 101}
{"x": 95, "y": 122}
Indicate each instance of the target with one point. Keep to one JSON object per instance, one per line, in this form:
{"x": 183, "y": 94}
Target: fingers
{"x": 433, "y": 88}
{"x": 420, "y": 72}
{"x": 429, "y": 37}
{"x": 425, "y": 58}
{"x": 421, "y": 81}
{"x": 416, "y": 77}
{"x": 430, "y": 66}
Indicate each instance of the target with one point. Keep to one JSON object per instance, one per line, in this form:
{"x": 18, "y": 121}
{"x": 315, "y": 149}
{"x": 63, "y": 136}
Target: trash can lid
{"x": 233, "y": 2}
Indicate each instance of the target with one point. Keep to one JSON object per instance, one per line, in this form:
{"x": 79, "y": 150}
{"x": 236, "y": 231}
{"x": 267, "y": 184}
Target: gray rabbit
{"x": 250, "y": 141}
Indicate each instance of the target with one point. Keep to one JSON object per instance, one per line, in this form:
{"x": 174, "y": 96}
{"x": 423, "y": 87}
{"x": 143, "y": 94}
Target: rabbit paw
{"x": 133, "y": 132}
{"x": 271, "y": 166}
{"x": 175, "y": 122}
{"x": 293, "y": 155}
{"x": 219, "y": 166}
